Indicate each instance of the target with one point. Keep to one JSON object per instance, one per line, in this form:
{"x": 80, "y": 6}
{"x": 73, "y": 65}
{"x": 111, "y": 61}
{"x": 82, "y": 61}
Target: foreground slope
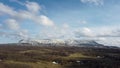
{"x": 14, "y": 56}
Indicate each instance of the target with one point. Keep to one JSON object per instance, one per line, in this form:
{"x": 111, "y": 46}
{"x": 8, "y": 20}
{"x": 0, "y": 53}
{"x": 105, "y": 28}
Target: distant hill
{"x": 59, "y": 42}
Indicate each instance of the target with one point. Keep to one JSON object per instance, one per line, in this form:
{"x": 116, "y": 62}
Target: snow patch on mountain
{"x": 60, "y": 42}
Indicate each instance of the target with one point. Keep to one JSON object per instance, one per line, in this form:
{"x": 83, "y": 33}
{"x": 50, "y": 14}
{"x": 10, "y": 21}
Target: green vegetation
{"x": 75, "y": 55}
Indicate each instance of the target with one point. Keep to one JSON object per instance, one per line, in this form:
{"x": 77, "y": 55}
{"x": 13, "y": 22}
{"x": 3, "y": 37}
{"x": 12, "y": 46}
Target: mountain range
{"x": 59, "y": 42}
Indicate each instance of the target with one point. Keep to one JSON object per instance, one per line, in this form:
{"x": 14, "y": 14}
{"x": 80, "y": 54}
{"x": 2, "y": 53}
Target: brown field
{"x": 13, "y": 56}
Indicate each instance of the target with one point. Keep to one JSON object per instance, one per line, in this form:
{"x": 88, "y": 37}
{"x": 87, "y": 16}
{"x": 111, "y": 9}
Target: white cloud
{"x": 40, "y": 19}
{"x": 15, "y": 35}
{"x": 15, "y": 17}
{"x": 17, "y": 1}
{"x": 109, "y": 36}
{"x": 50, "y": 34}
{"x": 109, "y": 41}
{"x": 4, "y": 9}
{"x": 33, "y": 7}
{"x": 30, "y": 14}
{"x": 12, "y": 24}
{"x": 64, "y": 32}
{"x": 108, "y": 32}
{"x": 87, "y": 32}
{"x": 57, "y": 32}
{"x": 84, "y": 32}
{"x": 23, "y": 34}
{"x": 82, "y": 22}
{"x": 65, "y": 26}
{"x": 95, "y": 2}
{"x": 46, "y": 21}
{"x": 97, "y": 32}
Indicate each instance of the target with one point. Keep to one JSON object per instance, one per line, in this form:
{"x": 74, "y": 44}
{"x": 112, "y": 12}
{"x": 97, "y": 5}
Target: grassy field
{"x": 18, "y": 64}
{"x": 12, "y": 56}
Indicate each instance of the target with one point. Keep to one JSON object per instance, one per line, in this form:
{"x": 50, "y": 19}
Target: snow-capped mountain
{"x": 60, "y": 42}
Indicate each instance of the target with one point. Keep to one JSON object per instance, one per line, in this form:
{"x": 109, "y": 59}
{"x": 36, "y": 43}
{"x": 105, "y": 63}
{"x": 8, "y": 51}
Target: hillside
{"x": 59, "y": 42}
{"x": 14, "y": 56}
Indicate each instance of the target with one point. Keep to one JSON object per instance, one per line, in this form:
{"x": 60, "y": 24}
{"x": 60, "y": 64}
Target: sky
{"x": 60, "y": 19}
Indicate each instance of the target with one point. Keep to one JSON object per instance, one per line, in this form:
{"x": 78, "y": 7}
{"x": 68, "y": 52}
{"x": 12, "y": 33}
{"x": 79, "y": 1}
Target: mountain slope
{"x": 58, "y": 42}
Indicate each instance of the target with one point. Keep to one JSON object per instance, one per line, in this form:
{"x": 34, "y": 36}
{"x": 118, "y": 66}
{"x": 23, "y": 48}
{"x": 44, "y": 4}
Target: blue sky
{"x": 59, "y": 19}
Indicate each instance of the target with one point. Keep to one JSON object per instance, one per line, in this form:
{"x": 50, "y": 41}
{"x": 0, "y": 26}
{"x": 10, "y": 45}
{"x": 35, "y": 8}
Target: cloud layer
{"x": 15, "y": 17}
{"x": 94, "y": 2}
{"x": 32, "y": 13}
{"x": 93, "y": 32}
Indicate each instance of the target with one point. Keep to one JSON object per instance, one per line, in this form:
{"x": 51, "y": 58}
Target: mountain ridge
{"x": 59, "y": 42}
